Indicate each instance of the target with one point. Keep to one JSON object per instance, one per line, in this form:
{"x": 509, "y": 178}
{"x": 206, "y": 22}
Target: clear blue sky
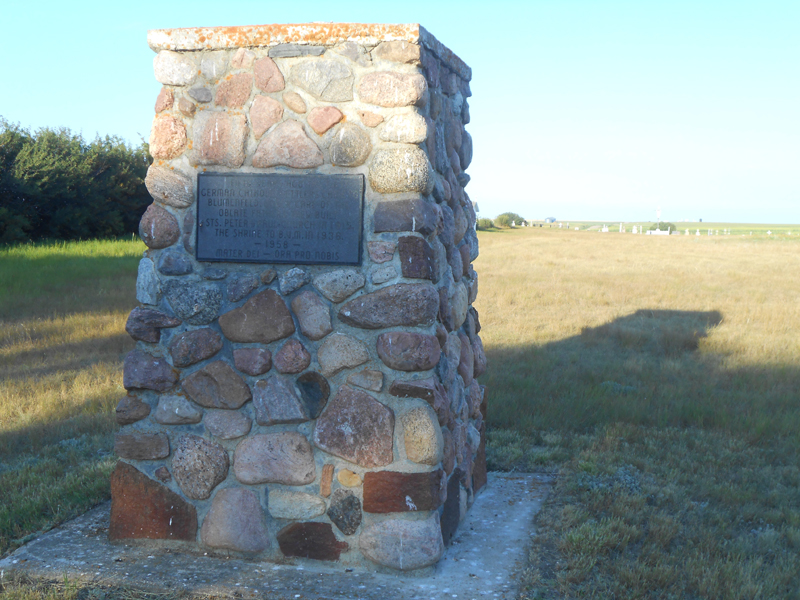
{"x": 600, "y": 110}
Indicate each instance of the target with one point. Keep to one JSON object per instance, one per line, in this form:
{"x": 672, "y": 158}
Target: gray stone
{"x": 176, "y": 410}
{"x": 264, "y": 318}
{"x": 463, "y": 179}
{"x": 287, "y": 145}
{"x": 226, "y": 424}
{"x": 170, "y": 187}
{"x": 145, "y": 324}
{"x": 217, "y": 386}
{"x": 199, "y": 466}
{"x": 350, "y": 146}
{"x": 214, "y": 274}
{"x": 291, "y": 50}
{"x": 143, "y": 371}
{"x": 141, "y": 446}
{"x": 355, "y": 52}
{"x": 158, "y": 228}
{"x": 174, "y": 262}
{"x": 382, "y": 273}
{"x": 240, "y": 285}
{"x": 218, "y": 139}
{"x": 479, "y": 356}
{"x": 345, "y": 511}
{"x": 406, "y": 351}
{"x": 397, "y": 305}
{"x": 235, "y": 522}
{"x": 402, "y": 544}
{"x": 173, "y": 68}
{"x": 195, "y": 303}
{"x": 131, "y": 409}
{"x": 214, "y": 64}
{"x": 340, "y": 351}
{"x": 147, "y": 288}
{"x": 313, "y": 314}
{"x": 286, "y": 504}
{"x": 201, "y": 94}
{"x": 338, "y": 285}
{"x": 416, "y": 214}
{"x": 284, "y": 458}
{"x": 402, "y": 168}
{"x": 326, "y": 80}
{"x": 409, "y": 128}
{"x": 422, "y": 436}
{"x": 193, "y": 346}
{"x": 293, "y": 280}
{"x": 268, "y": 276}
{"x": 357, "y": 428}
{"x": 391, "y": 89}
{"x": 472, "y": 239}
{"x": 441, "y": 161}
{"x": 253, "y": 361}
{"x": 276, "y": 401}
{"x": 268, "y": 76}
{"x": 461, "y": 225}
{"x": 188, "y": 232}
{"x": 458, "y": 304}
{"x": 367, "y": 379}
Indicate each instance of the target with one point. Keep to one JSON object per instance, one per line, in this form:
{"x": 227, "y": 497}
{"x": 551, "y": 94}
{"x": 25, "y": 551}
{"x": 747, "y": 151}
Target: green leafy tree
{"x": 484, "y": 224}
{"x": 507, "y": 218}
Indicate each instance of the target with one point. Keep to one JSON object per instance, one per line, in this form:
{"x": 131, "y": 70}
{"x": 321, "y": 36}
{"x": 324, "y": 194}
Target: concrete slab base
{"x": 480, "y": 563}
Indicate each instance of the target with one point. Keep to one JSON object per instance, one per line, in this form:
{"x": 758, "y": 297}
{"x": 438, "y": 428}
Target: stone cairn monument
{"x": 304, "y": 382}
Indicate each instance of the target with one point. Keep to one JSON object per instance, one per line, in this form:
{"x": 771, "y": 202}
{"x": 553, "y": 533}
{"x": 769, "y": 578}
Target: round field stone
{"x": 407, "y": 351}
{"x": 131, "y": 409}
{"x": 326, "y": 80}
{"x": 340, "y": 351}
{"x": 235, "y": 522}
{"x": 174, "y": 68}
{"x": 217, "y": 385}
{"x": 338, "y": 285}
{"x": 390, "y": 89}
{"x": 194, "y": 303}
{"x": 264, "y": 318}
{"x": 158, "y": 228}
{"x": 199, "y": 466}
{"x": 313, "y": 314}
{"x": 201, "y": 94}
{"x": 218, "y": 139}
{"x": 292, "y": 357}
{"x": 350, "y": 146}
{"x": 252, "y": 361}
{"x": 226, "y": 424}
{"x": 193, "y": 346}
{"x": 276, "y": 402}
{"x": 397, "y": 169}
{"x": 167, "y": 137}
{"x": 285, "y": 504}
{"x": 423, "y": 437}
{"x": 284, "y": 458}
{"x": 409, "y": 128}
{"x": 397, "y": 305}
{"x": 144, "y": 371}
{"x": 176, "y": 410}
{"x": 322, "y": 118}
{"x": 294, "y": 102}
{"x": 403, "y": 545}
{"x": 169, "y": 187}
{"x": 145, "y": 324}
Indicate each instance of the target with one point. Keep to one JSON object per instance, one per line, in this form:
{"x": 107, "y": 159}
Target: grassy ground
{"x": 62, "y": 315}
{"x": 658, "y": 376}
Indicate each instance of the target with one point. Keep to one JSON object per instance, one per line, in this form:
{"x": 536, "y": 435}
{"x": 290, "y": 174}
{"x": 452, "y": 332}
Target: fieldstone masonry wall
{"x": 320, "y": 412}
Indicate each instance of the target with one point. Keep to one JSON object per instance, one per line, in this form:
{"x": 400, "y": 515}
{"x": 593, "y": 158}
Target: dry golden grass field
{"x": 655, "y": 377}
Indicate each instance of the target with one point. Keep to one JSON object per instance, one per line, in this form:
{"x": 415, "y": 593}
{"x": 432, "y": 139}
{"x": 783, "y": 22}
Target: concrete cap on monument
{"x": 195, "y": 303}
{"x": 276, "y": 401}
{"x": 338, "y": 285}
{"x": 406, "y": 351}
{"x": 292, "y": 357}
{"x": 143, "y": 508}
{"x": 226, "y": 424}
{"x": 313, "y": 314}
{"x": 143, "y": 371}
{"x": 169, "y": 187}
{"x": 194, "y": 346}
{"x": 263, "y": 318}
{"x": 357, "y": 428}
{"x": 403, "y": 545}
{"x": 396, "y": 305}
{"x": 327, "y": 80}
{"x": 158, "y": 228}
{"x": 217, "y": 385}
{"x": 145, "y": 324}
{"x": 284, "y": 458}
{"x": 287, "y": 145}
{"x": 235, "y": 522}
{"x": 199, "y": 466}
{"x": 391, "y": 89}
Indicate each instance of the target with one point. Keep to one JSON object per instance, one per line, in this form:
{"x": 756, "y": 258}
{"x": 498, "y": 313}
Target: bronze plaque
{"x": 276, "y": 218}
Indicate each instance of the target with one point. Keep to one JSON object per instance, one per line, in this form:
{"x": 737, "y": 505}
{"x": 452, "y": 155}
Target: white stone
{"x": 340, "y": 351}
{"x": 284, "y": 504}
{"x": 173, "y": 68}
{"x": 176, "y": 410}
{"x": 409, "y": 128}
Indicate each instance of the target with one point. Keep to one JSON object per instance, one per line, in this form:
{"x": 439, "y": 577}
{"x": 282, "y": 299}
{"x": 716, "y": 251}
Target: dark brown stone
{"x": 356, "y": 427}
{"x": 130, "y": 410}
{"x": 407, "y": 304}
{"x": 416, "y": 214}
{"x": 390, "y": 491}
{"x": 217, "y": 386}
{"x": 314, "y": 390}
{"x": 141, "y": 446}
{"x": 264, "y": 318}
{"x": 310, "y": 540}
{"x": 466, "y": 366}
{"x": 144, "y": 509}
{"x": 292, "y": 357}
{"x": 158, "y": 228}
{"x": 454, "y": 260}
{"x": 407, "y": 351}
{"x": 276, "y": 401}
{"x": 416, "y": 257}
{"x": 142, "y": 371}
{"x": 451, "y": 513}
{"x": 345, "y": 511}
{"x": 414, "y": 388}
{"x": 252, "y": 361}
{"x": 193, "y": 346}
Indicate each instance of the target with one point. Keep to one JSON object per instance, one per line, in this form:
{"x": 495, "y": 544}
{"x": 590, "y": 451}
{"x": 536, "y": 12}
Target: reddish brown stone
{"x": 292, "y": 357}
{"x": 287, "y": 145}
{"x": 219, "y": 139}
{"x": 268, "y": 76}
{"x": 322, "y": 118}
{"x": 264, "y": 318}
{"x": 193, "y": 346}
{"x": 390, "y": 491}
{"x": 158, "y": 228}
{"x": 252, "y": 361}
{"x": 130, "y": 410}
{"x": 381, "y": 252}
{"x": 264, "y": 113}
{"x": 396, "y": 305}
{"x": 326, "y": 480}
{"x": 167, "y": 137}
{"x": 141, "y": 446}
{"x": 356, "y": 427}
{"x": 186, "y": 107}
{"x": 466, "y": 366}
{"x": 217, "y": 386}
{"x": 310, "y": 540}
{"x": 142, "y": 371}
{"x": 406, "y": 351}
{"x": 416, "y": 214}
{"x": 414, "y": 388}
{"x": 313, "y": 315}
{"x": 145, "y": 324}
{"x": 416, "y": 257}
{"x": 234, "y": 91}
{"x": 144, "y": 509}
{"x": 164, "y": 100}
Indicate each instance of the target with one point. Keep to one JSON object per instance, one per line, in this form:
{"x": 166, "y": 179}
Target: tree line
{"x": 56, "y": 185}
